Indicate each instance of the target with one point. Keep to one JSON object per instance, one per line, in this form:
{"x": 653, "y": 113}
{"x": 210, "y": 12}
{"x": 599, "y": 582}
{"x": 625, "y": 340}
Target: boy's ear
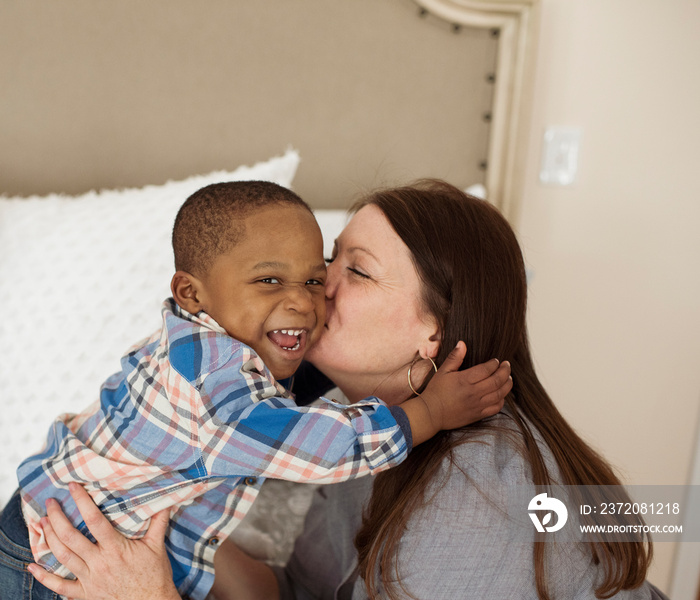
{"x": 187, "y": 291}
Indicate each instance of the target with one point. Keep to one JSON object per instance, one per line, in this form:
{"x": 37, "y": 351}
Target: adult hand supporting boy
{"x": 456, "y": 398}
{"x": 105, "y": 570}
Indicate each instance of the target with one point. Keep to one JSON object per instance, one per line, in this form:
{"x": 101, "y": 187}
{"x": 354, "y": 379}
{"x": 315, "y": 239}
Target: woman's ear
{"x": 431, "y": 346}
{"x": 187, "y": 291}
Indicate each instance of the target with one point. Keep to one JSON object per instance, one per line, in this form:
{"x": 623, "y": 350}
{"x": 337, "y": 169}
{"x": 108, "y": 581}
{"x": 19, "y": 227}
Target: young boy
{"x": 196, "y": 418}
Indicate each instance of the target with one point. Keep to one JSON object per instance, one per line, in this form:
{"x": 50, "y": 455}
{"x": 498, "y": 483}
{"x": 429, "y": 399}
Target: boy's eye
{"x": 269, "y": 280}
{"x": 314, "y": 282}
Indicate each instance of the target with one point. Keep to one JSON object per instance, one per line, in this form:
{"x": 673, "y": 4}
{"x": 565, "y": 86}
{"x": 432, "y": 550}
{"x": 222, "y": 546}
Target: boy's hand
{"x": 456, "y": 398}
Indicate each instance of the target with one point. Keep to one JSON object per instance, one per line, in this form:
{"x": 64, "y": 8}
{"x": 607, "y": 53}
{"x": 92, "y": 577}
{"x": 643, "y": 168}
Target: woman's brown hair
{"x": 474, "y": 283}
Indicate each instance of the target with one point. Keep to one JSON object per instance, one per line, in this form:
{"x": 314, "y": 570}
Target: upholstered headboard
{"x": 127, "y": 94}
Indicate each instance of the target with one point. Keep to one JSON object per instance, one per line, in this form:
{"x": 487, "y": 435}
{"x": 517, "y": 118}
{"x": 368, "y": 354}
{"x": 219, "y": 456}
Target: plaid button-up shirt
{"x": 195, "y": 421}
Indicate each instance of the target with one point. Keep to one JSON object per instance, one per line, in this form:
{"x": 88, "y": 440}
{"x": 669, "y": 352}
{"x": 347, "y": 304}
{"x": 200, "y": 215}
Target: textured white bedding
{"x": 81, "y": 280}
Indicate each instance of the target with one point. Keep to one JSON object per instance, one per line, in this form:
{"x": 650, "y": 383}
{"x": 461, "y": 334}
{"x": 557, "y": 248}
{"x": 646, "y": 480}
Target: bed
{"x": 330, "y": 99}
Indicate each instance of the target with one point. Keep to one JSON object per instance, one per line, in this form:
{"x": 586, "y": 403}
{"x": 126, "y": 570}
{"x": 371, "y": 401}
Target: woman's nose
{"x": 332, "y": 279}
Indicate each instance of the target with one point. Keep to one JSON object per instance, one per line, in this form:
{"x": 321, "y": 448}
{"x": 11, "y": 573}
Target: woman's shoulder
{"x": 461, "y": 536}
{"x": 496, "y": 451}
{"x": 478, "y": 479}
{"x": 475, "y": 528}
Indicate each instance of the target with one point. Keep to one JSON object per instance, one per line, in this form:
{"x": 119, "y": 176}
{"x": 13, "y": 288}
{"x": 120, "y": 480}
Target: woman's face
{"x": 375, "y": 325}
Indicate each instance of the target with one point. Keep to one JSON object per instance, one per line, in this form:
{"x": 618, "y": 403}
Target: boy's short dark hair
{"x": 209, "y": 223}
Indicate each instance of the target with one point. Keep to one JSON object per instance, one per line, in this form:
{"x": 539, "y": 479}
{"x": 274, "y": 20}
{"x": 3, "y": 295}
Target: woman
{"x": 437, "y": 526}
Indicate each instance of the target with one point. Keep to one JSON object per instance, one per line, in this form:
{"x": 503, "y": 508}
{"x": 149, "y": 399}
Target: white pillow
{"x": 331, "y": 222}
{"x": 81, "y": 280}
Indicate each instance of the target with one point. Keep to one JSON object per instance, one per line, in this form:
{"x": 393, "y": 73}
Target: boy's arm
{"x": 456, "y": 398}
{"x": 248, "y": 428}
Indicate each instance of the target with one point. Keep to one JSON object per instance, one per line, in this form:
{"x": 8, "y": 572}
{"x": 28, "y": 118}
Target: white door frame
{"x": 685, "y": 584}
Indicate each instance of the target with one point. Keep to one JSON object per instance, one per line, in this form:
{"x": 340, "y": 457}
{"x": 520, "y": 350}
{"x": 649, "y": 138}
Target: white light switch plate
{"x": 560, "y": 153}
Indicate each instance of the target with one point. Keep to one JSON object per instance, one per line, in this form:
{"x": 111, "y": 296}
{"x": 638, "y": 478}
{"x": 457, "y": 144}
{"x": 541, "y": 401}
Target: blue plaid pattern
{"x": 194, "y": 422}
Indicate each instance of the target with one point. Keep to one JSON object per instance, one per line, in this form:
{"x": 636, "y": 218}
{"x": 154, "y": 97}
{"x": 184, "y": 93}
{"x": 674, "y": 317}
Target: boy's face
{"x": 268, "y": 290}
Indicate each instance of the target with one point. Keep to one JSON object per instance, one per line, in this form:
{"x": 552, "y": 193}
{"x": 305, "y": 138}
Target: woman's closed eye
{"x": 354, "y": 270}
{"x": 358, "y": 273}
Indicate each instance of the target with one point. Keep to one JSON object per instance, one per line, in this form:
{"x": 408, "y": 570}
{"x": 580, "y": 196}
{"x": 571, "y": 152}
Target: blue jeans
{"x": 16, "y": 583}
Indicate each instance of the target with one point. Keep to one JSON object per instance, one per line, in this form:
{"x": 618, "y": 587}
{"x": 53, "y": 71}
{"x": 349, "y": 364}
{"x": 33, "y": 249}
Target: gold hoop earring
{"x": 410, "y": 383}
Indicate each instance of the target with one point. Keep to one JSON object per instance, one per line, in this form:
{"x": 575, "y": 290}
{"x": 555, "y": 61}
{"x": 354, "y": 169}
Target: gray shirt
{"x": 459, "y": 545}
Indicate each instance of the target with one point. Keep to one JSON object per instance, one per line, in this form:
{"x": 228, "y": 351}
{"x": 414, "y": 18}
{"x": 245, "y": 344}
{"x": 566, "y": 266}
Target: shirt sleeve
{"x": 309, "y": 384}
{"x": 247, "y": 428}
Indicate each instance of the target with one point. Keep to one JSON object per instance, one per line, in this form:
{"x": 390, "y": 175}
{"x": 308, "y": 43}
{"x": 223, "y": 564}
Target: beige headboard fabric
{"x": 128, "y": 93}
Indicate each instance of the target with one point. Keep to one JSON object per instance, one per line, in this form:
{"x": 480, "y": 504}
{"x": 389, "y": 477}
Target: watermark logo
{"x": 551, "y": 505}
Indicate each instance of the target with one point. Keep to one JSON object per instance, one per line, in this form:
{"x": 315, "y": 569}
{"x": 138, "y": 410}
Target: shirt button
{"x": 214, "y": 541}
{"x": 250, "y": 480}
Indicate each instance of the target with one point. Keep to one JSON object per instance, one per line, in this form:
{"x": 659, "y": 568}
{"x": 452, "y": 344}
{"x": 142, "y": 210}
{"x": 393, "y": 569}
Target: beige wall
{"x": 615, "y": 309}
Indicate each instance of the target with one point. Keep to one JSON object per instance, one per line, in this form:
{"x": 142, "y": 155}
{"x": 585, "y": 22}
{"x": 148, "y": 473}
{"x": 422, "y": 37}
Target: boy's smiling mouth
{"x": 291, "y": 340}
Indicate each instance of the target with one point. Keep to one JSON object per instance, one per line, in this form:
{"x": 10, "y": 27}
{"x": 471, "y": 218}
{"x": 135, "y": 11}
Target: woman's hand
{"x": 455, "y": 398}
{"x": 114, "y": 568}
